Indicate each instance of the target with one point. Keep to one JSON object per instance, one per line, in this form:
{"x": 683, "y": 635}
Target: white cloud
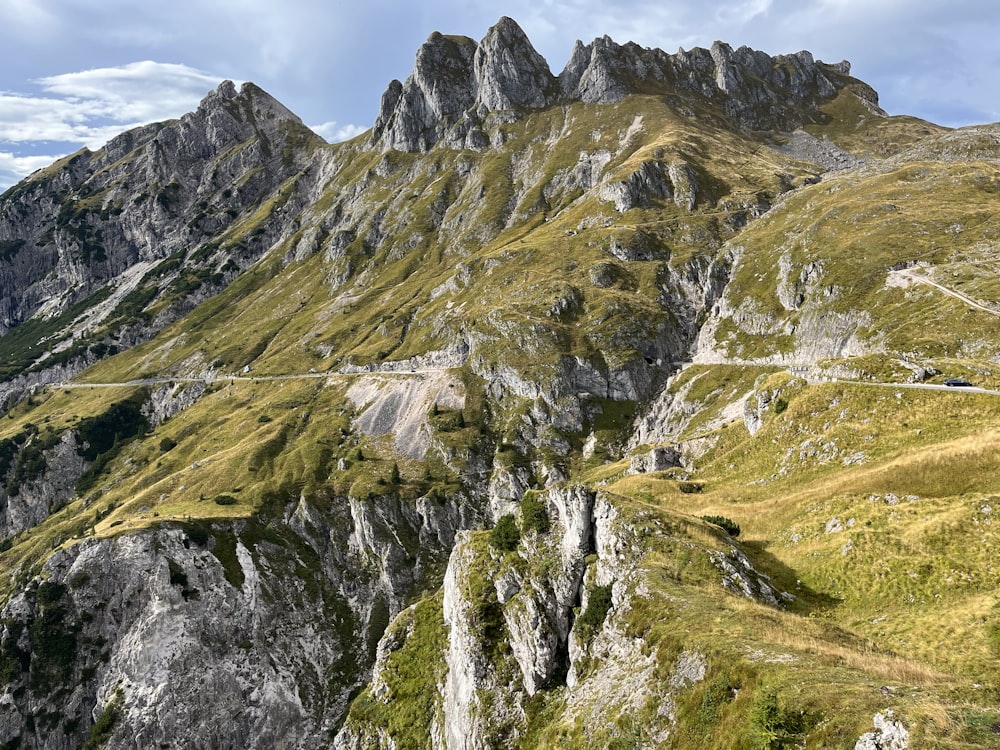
{"x": 15, "y": 168}
{"x": 27, "y": 16}
{"x": 89, "y": 107}
{"x": 141, "y": 91}
{"x": 742, "y": 12}
{"x": 334, "y": 132}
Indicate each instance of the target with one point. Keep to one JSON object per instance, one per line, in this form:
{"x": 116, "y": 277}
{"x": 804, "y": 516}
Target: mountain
{"x": 602, "y": 408}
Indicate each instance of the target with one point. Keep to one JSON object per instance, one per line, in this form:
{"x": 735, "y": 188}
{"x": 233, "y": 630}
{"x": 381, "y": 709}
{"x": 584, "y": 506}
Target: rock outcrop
{"x": 75, "y": 233}
{"x": 147, "y": 626}
{"x": 447, "y": 100}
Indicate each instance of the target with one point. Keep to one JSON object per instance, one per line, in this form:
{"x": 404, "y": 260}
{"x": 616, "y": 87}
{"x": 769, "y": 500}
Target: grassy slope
{"x": 891, "y": 559}
{"x": 923, "y": 566}
{"x": 942, "y": 214}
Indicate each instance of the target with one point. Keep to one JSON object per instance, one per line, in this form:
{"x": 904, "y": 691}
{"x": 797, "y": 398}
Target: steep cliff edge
{"x": 273, "y": 618}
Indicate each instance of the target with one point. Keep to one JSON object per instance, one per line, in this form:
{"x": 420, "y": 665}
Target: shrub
{"x": 534, "y": 514}
{"x": 779, "y": 405}
{"x": 598, "y": 605}
{"x": 263, "y": 419}
{"x": 731, "y": 527}
{"x": 167, "y": 444}
{"x": 394, "y": 477}
{"x": 505, "y": 535}
{"x": 225, "y": 500}
{"x": 774, "y": 726}
{"x": 104, "y": 727}
{"x": 689, "y": 488}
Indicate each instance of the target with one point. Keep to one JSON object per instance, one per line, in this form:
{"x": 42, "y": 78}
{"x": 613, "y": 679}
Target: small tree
{"x": 394, "y": 477}
{"x": 598, "y": 605}
{"x": 534, "y": 514}
{"x": 505, "y": 535}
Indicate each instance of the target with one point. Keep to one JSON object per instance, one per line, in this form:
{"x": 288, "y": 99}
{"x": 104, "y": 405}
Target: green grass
{"x": 411, "y": 675}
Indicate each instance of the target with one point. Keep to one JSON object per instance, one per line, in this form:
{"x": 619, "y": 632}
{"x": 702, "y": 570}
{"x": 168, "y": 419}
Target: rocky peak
{"x": 454, "y": 79}
{"x": 456, "y": 83}
{"x": 594, "y": 73}
{"x": 510, "y": 73}
{"x": 413, "y": 114}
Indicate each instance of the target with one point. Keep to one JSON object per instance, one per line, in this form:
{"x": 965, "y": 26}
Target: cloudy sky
{"x": 75, "y": 72}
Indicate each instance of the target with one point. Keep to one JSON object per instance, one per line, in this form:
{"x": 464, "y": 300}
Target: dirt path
{"x": 919, "y": 279}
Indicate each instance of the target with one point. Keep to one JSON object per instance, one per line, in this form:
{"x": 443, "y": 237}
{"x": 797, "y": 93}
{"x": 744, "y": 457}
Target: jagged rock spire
{"x": 509, "y": 72}
{"x": 456, "y": 83}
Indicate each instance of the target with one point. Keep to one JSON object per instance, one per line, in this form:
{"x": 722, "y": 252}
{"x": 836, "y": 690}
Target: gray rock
{"x": 889, "y": 734}
{"x": 456, "y": 84}
{"x": 510, "y": 74}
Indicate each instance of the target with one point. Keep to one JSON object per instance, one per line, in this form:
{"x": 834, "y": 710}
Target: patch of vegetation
{"x": 225, "y": 500}
{"x": 534, "y": 513}
{"x": 413, "y": 671}
{"x": 53, "y": 638}
{"x": 592, "y": 618}
{"x": 505, "y": 535}
{"x": 100, "y": 438}
{"x": 224, "y": 550}
{"x": 104, "y": 727}
{"x": 10, "y": 248}
{"x": 25, "y": 451}
{"x": 732, "y": 528}
{"x": 32, "y": 338}
{"x": 776, "y": 726}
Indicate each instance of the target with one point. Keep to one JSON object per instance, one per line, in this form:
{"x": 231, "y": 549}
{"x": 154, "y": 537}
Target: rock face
{"x": 516, "y": 625}
{"x": 300, "y": 623}
{"x": 446, "y": 99}
{"x": 148, "y": 626}
{"x": 103, "y": 221}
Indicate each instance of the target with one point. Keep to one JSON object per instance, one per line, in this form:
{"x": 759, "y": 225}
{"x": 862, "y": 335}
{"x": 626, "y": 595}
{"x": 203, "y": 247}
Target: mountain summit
{"x": 652, "y": 404}
{"x": 447, "y": 98}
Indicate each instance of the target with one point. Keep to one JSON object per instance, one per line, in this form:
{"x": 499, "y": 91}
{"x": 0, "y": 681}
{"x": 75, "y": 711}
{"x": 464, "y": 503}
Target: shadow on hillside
{"x": 807, "y": 601}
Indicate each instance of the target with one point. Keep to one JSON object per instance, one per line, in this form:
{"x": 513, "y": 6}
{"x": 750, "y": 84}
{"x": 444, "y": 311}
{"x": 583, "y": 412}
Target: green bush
{"x": 103, "y": 728}
{"x": 505, "y": 535}
{"x": 779, "y": 405}
{"x": 774, "y": 726}
{"x": 689, "y": 488}
{"x": 598, "y": 606}
{"x": 167, "y": 444}
{"x": 534, "y": 513}
{"x": 225, "y": 500}
{"x": 731, "y": 527}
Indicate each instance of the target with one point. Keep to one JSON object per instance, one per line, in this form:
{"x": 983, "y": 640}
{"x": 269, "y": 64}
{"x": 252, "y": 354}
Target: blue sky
{"x": 75, "y": 72}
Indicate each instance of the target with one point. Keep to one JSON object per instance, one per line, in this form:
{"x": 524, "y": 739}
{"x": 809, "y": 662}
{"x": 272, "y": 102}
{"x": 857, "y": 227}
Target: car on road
{"x": 957, "y": 382}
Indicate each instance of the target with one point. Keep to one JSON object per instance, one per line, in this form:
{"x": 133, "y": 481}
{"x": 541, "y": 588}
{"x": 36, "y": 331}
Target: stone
{"x": 889, "y": 734}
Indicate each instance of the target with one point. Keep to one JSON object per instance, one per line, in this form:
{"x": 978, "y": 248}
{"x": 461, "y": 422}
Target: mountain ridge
{"x": 446, "y": 98}
{"x": 538, "y": 434}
